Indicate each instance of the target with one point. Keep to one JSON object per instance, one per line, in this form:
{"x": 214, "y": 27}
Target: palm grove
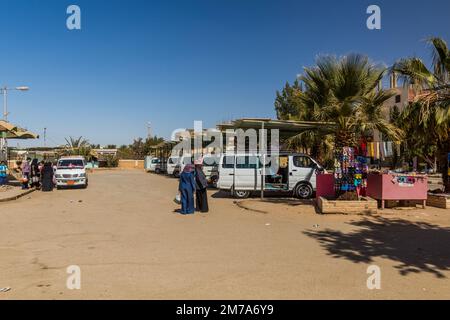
{"x": 346, "y": 93}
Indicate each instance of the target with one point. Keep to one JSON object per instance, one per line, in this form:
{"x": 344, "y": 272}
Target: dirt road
{"x": 130, "y": 244}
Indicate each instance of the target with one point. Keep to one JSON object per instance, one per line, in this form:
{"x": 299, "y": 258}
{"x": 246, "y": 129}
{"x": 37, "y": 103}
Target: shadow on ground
{"x": 13, "y": 181}
{"x": 281, "y": 197}
{"x": 416, "y": 246}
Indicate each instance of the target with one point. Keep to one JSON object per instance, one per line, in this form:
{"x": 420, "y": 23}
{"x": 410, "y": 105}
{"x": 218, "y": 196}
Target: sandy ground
{"x": 130, "y": 244}
{"x": 9, "y": 192}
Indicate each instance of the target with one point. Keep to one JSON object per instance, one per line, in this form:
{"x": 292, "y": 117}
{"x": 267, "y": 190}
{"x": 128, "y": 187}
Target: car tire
{"x": 241, "y": 194}
{"x": 303, "y": 191}
{"x": 157, "y": 171}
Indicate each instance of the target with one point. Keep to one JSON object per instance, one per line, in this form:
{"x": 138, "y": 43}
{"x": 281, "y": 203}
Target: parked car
{"x": 210, "y": 168}
{"x": 241, "y": 174}
{"x": 171, "y": 164}
{"x": 152, "y": 164}
{"x": 181, "y": 162}
{"x": 161, "y": 166}
{"x": 71, "y": 172}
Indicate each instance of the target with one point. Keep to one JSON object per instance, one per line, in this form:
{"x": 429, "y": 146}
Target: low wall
{"x": 438, "y": 201}
{"x": 364, "y": 206}
{"x": 131, "y": 164}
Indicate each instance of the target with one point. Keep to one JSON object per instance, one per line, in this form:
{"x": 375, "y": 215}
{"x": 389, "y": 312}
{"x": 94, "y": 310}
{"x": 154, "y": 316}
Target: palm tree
{"x": 77, "y": 146}
{"x": 429, "y": 112}
{"x": 432, "y": 86}
{"x": 345, "y": 91}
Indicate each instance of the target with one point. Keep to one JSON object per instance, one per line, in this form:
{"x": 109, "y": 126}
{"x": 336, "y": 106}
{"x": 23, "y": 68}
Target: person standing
{"x": 3, "y": 173}
{"x": 26, "y": 169}
{"x": 35, "y": 174}
{"x": 47, "y": 177}
{"x": 187, "y": 188}
{"x": 201, "y": 185}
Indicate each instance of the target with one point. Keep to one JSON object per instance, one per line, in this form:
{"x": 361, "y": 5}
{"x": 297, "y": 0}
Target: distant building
{"x": 403, "y": 96}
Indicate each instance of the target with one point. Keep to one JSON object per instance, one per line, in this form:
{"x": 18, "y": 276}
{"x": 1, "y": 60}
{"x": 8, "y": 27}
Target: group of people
{"x": 193, "y": 181}
{"x": 39, "y": 175}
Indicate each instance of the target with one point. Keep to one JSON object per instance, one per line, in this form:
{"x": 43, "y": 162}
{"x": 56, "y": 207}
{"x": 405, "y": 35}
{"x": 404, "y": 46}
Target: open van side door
{"x": 301, "y": 168}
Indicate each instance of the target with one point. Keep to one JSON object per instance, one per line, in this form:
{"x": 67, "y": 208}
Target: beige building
{"x": 403, "y": 96}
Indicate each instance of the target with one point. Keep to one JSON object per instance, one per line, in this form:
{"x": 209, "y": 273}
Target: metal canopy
{"x": 287, "y": 128}
{"x": 11, "y": 131}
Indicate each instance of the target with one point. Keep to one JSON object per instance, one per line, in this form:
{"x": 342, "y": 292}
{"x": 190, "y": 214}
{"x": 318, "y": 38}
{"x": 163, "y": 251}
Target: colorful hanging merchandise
{"x": 350, "y": 171}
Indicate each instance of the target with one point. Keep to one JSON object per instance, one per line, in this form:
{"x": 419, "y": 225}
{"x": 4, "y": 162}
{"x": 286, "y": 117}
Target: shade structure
{"x": 287, "y": 128}
{"x": 11, "y": 131}
{"x": 21, "y": 134}
{"x": 6, "y": 126}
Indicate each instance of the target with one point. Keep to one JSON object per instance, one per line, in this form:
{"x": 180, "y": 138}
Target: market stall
{"x": 398, "y": 187}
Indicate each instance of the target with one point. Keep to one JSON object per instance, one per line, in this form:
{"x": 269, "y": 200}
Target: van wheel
{"x": 303, "y": 191}
{"x": 157, "y": 171}
{"x": 241, "y": 194}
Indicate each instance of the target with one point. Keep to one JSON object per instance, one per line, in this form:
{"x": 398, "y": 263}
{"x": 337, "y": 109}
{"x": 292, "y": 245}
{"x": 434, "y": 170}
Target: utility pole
{"x": 149, "y": 130}
{"x": 45, "y": 137}
{"x": 3, "y": 142}
{"x": 262, "y": 148}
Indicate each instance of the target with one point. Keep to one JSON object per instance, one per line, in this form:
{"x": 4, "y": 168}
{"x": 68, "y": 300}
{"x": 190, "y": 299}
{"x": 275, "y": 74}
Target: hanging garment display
{"x": 351, "y": 171}
{"x": 389, "y": 150}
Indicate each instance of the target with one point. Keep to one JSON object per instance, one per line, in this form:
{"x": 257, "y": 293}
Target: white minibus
{"x": 241, "y": 174}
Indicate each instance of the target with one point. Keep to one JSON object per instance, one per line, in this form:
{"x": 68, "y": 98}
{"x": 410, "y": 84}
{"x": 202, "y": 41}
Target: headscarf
{"x": 188, "y": 168}
{"x": 200, "y": 177}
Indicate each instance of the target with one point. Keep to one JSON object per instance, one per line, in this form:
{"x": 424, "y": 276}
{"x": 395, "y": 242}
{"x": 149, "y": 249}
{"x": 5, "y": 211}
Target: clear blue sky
{"x": 173, "y": 62}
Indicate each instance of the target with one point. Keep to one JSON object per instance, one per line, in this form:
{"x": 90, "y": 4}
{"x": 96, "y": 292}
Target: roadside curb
{"x": 18, "y": 196}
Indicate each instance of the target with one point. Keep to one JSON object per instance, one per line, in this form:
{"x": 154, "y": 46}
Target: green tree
{"x": 77, "y": 146}
{"x": 344, "y": 91}
{"x": 428, "y": 115}
{"x": 287, "y": 102}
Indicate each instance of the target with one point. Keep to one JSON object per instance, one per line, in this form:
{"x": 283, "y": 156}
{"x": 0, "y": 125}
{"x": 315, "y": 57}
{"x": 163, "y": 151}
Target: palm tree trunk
{"x": 444, "y": 150}
{"x": 344, "y": 138}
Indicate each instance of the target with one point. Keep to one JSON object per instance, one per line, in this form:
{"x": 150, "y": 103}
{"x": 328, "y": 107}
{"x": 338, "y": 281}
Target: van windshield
{"x": 70, "y": 164}
{"x": 187, "y": 160}
{"x": 210, "y": 161}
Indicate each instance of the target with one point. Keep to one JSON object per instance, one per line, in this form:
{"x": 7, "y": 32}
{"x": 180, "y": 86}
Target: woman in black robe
{"x": 47, "y": 177}
{"x": 35, "y": 174}
{"x": 200, "y": 190}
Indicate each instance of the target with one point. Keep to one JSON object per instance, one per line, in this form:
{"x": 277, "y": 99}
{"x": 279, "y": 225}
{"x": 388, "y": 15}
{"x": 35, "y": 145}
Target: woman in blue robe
{"x": 187, "y": 189}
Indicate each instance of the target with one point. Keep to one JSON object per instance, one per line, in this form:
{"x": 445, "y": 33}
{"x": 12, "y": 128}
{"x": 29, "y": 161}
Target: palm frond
{"x": 441, "y": 58}
{"x": 414, "y": 72}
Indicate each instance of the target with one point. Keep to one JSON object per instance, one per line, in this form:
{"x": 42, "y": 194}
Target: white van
{"x": 241, "y": 174}
{"x": 71, "y": 172}
{"x": 175, "y": 165}
{"x": 172, "y": 162}
{"x": 210, "y": 165}
{"x": 152, "y": 164}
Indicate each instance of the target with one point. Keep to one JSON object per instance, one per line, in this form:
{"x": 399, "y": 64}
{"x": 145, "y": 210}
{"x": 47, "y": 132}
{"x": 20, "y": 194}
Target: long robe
{"x": 187, "y": 188}
{"x": 35, "y": 173}
{"x": 201, "y": 195}
{"x": 47, "y": 178}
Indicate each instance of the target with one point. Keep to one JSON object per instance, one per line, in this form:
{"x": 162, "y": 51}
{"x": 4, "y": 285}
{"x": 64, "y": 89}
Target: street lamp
{"x": 4, "y": 90}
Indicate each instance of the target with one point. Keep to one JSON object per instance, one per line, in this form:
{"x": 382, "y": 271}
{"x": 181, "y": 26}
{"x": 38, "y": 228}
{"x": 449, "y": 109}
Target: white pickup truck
{"x": 71, "y": 172}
